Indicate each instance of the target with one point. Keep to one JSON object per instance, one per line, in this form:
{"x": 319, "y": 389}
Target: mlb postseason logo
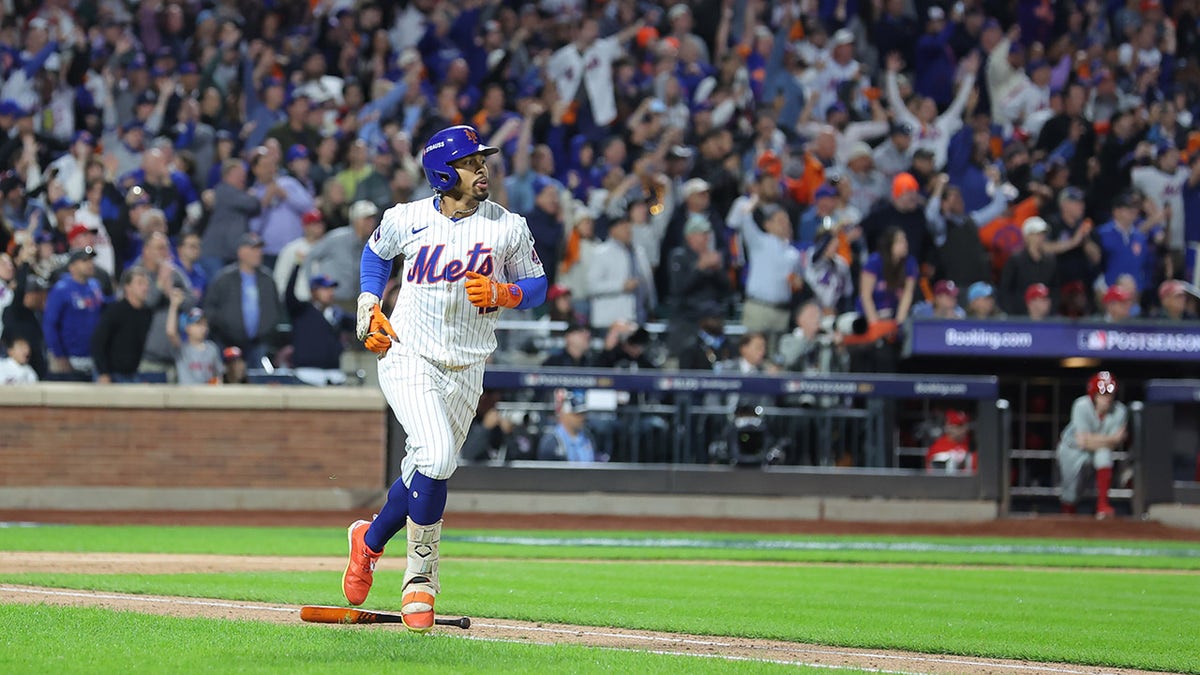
{"x": 1138, "y": 341}
{"x": 1092, "y": 340}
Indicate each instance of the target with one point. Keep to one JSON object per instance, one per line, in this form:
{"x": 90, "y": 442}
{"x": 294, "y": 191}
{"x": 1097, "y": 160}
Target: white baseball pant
{"x": 435, "y": 405}
{"x": 1072, "y": 461}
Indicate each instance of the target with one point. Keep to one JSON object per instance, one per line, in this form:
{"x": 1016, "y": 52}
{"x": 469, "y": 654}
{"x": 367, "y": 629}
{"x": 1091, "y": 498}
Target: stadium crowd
{"x": 187, "y": 184}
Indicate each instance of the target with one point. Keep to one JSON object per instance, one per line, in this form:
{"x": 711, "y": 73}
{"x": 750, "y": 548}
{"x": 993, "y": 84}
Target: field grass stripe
{"x": 791, "y": 545}
{"x": 144, "y": 598}
{"x": 831, "y": 652}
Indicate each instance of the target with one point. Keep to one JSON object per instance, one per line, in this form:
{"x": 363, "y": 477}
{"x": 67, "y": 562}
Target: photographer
{"x": 811, "y": 347}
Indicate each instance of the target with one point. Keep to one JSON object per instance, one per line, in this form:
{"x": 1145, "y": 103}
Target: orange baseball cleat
{"x": 360, "y": 570}
{"x": 416, "y": 607}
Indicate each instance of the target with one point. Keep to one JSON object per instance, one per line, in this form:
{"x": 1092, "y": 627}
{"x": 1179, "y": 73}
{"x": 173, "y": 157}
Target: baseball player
{"x": 1097, "y": 427}
{"x": 465, "y": 258}
{"x": 951, "y": 452}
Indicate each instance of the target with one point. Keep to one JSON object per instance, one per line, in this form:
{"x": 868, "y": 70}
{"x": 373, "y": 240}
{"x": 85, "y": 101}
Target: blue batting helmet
{"x": 446, "y": 146}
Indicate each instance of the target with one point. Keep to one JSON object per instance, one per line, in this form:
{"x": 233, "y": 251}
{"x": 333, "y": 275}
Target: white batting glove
{"x": 366, "y": 301}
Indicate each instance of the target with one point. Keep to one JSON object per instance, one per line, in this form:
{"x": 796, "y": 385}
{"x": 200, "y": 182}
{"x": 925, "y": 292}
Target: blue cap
{"x": 902, "y": 128}
{"x": 164, "y": 52}
{"x": 42, "y": 237}
{"x": 189, "y": 68}
{"x": 83, "y": 136}
{"x": 298, "y": 94}
{"x": 131, "y": 125}
{"x": 62, "y": 203}
{"x": 192, "y": 316}
{"x": 1073, "y": 193}
{"x": 225, "y": 135}
{"x": 826, "y": 190}
{"x": 138, "y": 62}
{"x": 271, "y": 82}
{"x": 297, "y": 151}
{"x": 9, "y": 108}
{"x": 570, "y": 401}
{"x": 991, "y": 23}
{"x": 979, "y": 289}
{"x": 541, "y": 182}
{"x": 147, "y": 97}
{"x": 837, "y": 106}
{"x": 1016, "y": 48}
{"x": 1040, "y": 63}
{"x": 323, "y": 281}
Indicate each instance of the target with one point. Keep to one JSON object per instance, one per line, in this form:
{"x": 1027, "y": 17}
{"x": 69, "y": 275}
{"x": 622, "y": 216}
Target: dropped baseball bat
{"x": 320, "y": 614}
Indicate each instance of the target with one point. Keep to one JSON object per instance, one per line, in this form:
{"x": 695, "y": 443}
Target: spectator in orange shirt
{"x": 1003, "y": 237}
{"x": 951, "y": 453}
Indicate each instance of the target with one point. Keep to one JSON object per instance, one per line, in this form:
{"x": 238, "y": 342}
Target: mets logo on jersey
{"x": 427, "y": 267}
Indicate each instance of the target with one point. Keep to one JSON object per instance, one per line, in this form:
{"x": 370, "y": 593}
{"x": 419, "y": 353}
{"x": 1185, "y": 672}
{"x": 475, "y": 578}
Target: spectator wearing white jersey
{"x": 932, "y": 131}
{"x": 847, "y": 132}
{"x": 1162, "y": 182}
{"x": 835, "y": 70}
{"x": 587, "y": 62}
{"x": 15, "y": 368}
{"x": 69, "y": 168}
{"x": 1014, "y": 95}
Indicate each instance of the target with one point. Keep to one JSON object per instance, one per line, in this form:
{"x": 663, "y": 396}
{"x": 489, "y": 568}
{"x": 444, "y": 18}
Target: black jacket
{"x": 316, "y": 342}
{"x": 1022, "y": 271}
{"x": 119, "y": 338}
{"x": 694, "y": 291}
{"x": 22, "y": 322}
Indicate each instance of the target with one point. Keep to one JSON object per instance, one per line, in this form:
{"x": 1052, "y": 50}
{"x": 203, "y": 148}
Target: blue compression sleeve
{"x": 426, "y": 499}
{"x": 533, "y": 292}
{"x": 375, "y": 272}
{"x": 391, "y": 519}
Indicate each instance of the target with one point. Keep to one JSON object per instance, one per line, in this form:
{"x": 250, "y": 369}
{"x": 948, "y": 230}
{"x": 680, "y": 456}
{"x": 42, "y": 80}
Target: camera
{"x": 849, "y": 323}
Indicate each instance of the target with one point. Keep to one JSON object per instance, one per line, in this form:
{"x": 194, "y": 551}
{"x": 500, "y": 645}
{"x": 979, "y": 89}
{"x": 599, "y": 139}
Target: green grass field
{"x": 1117, "y": 604}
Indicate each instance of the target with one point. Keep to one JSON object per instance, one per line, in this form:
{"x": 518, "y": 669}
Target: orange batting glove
{"x": 371, "y": 326}
{"x": 483, "y": 292}
{"x": 380, "y": 335}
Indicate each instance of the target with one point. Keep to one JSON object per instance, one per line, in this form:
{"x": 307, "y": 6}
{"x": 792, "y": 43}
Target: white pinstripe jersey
{"x": 433, "y": 318}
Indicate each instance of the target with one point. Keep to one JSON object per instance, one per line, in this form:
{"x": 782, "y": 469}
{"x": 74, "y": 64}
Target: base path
{"x": 734, "y": 649}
